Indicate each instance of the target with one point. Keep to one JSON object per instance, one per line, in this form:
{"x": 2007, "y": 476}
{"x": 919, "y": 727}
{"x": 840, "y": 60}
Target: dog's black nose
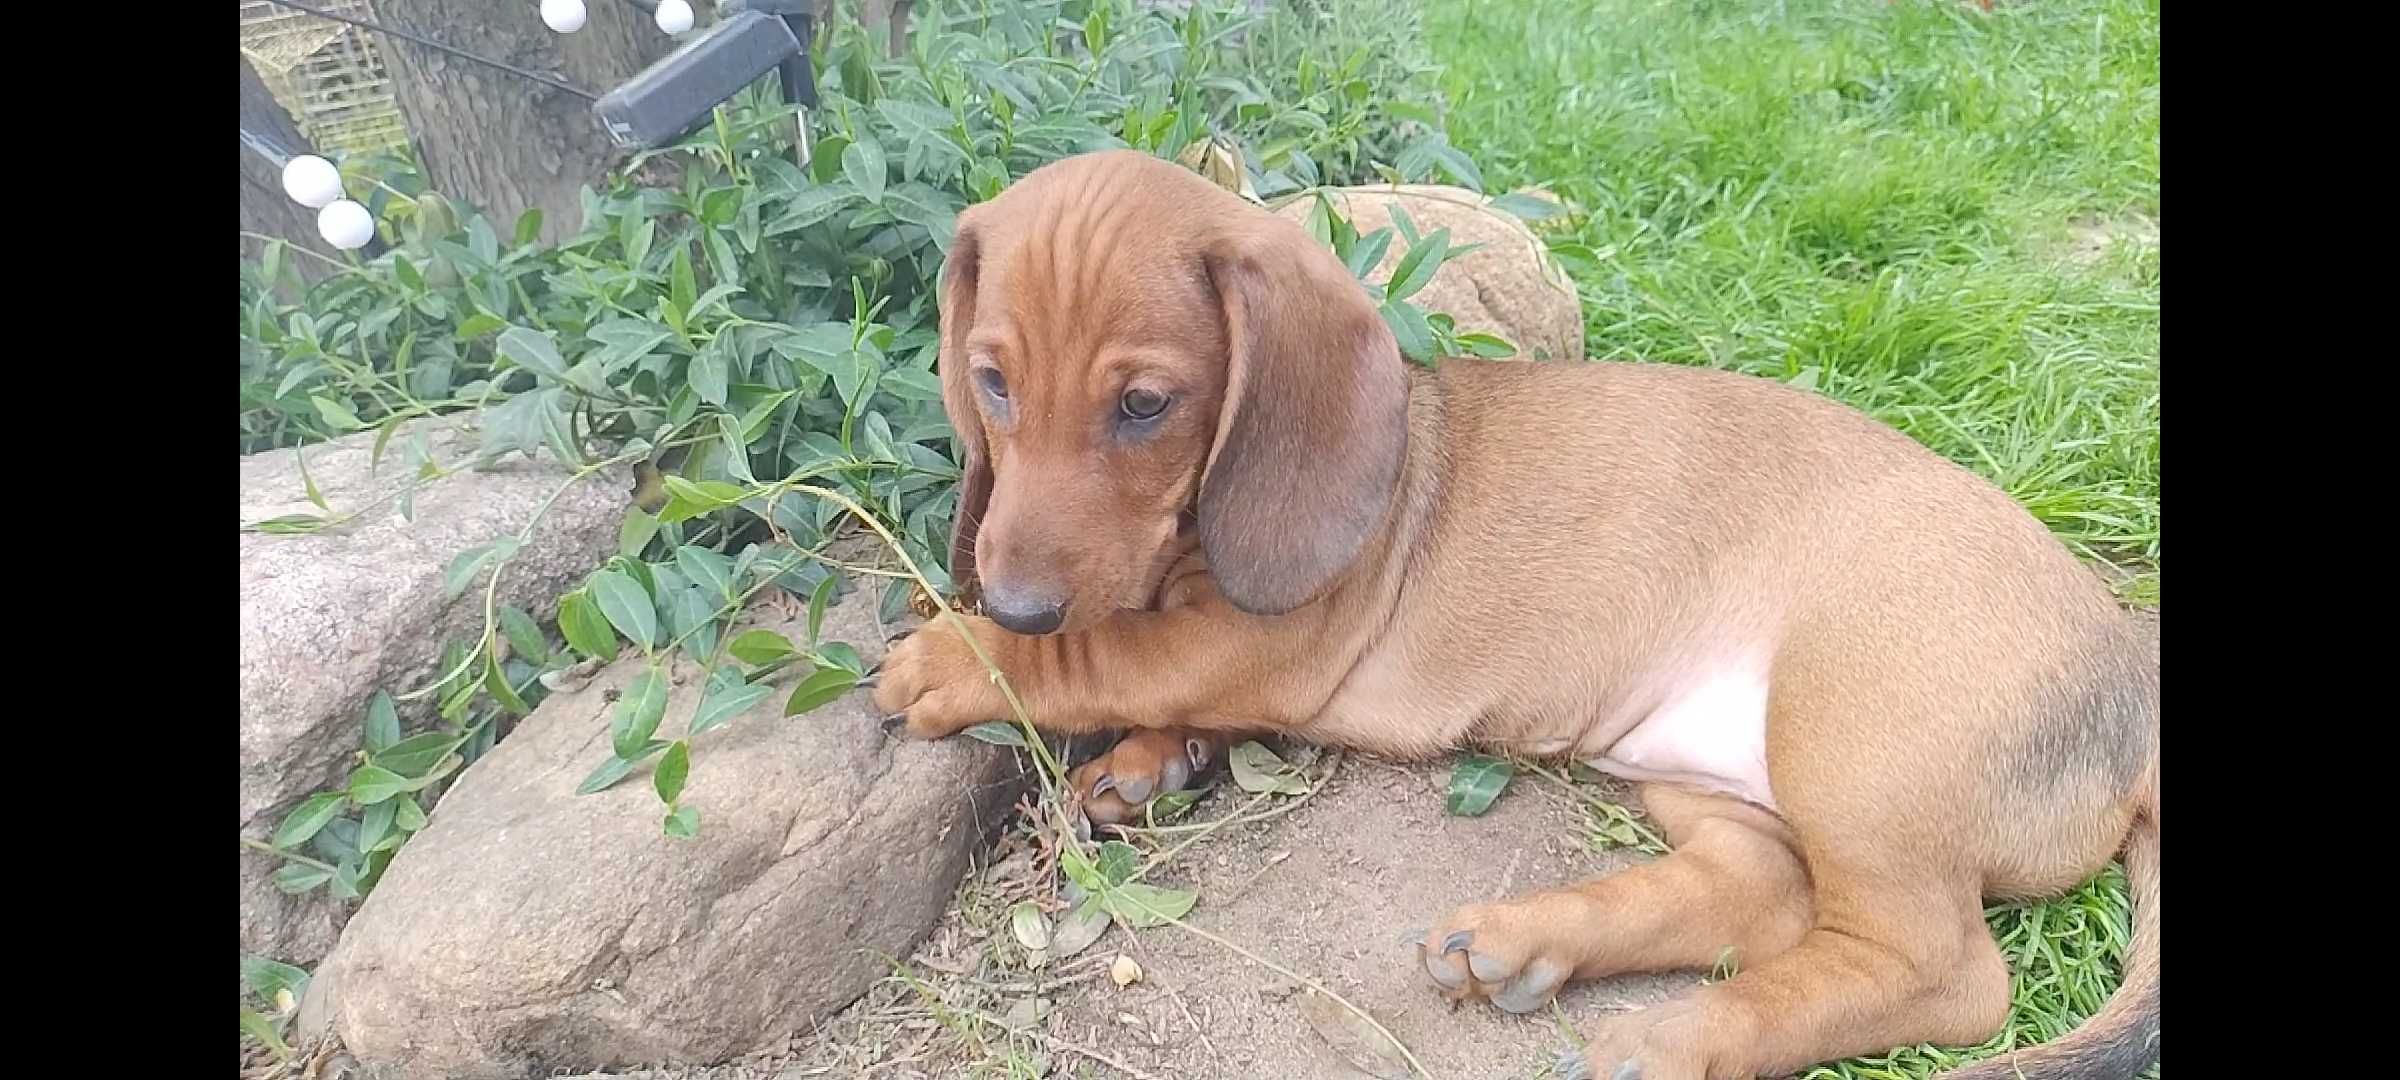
{"x": 1024, "y": 613}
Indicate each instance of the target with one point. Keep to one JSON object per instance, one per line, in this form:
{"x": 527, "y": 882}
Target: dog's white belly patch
{"x": 1711, "y": 733}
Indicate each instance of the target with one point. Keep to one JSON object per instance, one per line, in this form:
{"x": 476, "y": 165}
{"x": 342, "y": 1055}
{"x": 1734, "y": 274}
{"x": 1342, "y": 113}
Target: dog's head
{"x": 1127, "y": 350}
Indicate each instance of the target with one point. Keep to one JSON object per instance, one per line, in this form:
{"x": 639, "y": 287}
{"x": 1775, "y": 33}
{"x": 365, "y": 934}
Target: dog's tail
{"x": 2122, "y": 1038}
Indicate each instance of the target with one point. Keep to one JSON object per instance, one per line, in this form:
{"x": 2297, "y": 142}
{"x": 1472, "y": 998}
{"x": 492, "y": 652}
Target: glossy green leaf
{"x": 383, "y": 722}
{"x": 863, "y": 165}
{"x": 674, "y": 767}
{"x": 640, "y": 707}
{"x": 370, "y": 784}
{"x": 997, "y": 733}
{"x": 584, "y": 627}
{"x": 757, "y": 647}
{"x": 1118, "y": 861}
{"x": 532, "y": 350}
{"x": 495, "y": 683}
{"x": 627, "y": 606}
{"x": 297, "y": 878}
{"x": 524, "y": 635}
{"x": 819, "y": 689}
{"x": 1418, "y": 265}
{"x": 616, "y": 768}
{"x": 817, "y": 601}
{"x": 707, "y": 569}
{"x": 414, "y": 755}
{"x": 1144, "y": 906}
{"x": 725, "y": 703}
{"x": 306, "y": 819}
{"x": 1475, "y": 782}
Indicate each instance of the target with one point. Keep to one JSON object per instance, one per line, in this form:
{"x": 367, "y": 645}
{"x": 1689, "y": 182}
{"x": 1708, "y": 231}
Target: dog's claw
{"x": 894, "y": 720}
{"x": 1571, "y": 1065}
{"x": 1446, "y": 973}
{"x": 868, "y": 681}
{"x": 1457, "y": 941}
{"x": 1631, "y": 1070}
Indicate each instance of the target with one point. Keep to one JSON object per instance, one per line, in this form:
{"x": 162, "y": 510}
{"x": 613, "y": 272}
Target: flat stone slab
{"x": 529, "y": 928}
{"x": 329, "y": 618}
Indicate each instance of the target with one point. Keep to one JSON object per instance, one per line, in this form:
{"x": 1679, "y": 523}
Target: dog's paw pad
{"x": 1532, "y": 988}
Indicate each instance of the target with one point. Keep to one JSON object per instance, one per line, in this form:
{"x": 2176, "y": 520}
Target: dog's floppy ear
{"x": 1314, "y": 423}
{"x": 960, "y": 273}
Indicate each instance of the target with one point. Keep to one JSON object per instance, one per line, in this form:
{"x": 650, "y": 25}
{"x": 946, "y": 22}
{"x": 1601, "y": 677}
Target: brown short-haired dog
{"x": 1863, "y": 688}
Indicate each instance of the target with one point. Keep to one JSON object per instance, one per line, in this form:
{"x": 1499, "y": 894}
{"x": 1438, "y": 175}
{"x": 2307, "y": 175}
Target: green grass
{"x": 1894, "y": 203}
{"x": 1876, "y": 199}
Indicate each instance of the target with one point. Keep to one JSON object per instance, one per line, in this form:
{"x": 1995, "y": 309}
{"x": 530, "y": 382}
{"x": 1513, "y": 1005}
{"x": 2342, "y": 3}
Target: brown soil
{"x": 1337, "y": 890}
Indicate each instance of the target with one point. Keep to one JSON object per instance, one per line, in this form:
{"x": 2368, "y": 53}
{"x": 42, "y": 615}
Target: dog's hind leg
{"x": 1732, "y": 891}
{"x": 1897, "y": 956}
{"x": 1143, "y": 765}
{"x": 1895, "y": 815}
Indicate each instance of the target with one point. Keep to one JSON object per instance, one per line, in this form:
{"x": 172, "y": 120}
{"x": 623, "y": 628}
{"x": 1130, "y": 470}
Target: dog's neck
{"x": 1424, "y": 467}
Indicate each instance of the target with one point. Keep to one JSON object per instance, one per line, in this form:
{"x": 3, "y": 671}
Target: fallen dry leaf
{"x": 1079, "y": 928}
{"x": 649, "y": 487}
{"x": 1366, "y": 1049}
{"x": 1032, "y": 931}
{"x": 1257, "y": 770}
{"x": 1219, "y": 159}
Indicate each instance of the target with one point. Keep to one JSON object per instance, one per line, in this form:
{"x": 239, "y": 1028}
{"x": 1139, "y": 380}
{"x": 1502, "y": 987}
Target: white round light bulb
{"x": 312, "y": 181}
{"x": 346, "y": 225}
{"x": 564, "y": 16}
{"x": 674, "y": 16}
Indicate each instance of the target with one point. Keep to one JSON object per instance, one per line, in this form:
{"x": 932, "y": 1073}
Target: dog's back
{"x": 1650, "y": 520}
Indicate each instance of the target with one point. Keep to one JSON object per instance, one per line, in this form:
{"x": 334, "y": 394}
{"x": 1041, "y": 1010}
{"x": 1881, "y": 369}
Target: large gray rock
{"x": 329, "y": 618}
{"x": 1509, "y": 287}
{"x": 529, "y": 928}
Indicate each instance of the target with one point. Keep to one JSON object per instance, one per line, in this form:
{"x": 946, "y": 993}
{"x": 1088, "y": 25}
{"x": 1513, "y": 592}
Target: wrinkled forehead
{"x": 1072, "y": 270}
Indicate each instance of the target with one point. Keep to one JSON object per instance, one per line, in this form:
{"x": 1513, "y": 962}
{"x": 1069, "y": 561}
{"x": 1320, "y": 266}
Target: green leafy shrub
{"x": 757, "y": 337}
{"x": 1351, "y": 95}
{"x": 985, "y": 97}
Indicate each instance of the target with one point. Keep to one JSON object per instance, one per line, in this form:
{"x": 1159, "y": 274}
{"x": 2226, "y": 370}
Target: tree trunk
{"x": 890, "y": 16}
{"x": 501, "y": 143}
{"x": 266, "y": 210}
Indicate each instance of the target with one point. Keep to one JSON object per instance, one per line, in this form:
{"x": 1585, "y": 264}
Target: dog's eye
{"x": 990, "y": 380}
{"x": 1142, "y": 404}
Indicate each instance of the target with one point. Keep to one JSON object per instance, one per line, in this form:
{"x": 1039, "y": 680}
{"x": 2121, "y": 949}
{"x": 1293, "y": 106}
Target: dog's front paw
{"x": 1508, "y": 952}
{"x": 933, "y": 682}
{"x": 1663, "y": 1042}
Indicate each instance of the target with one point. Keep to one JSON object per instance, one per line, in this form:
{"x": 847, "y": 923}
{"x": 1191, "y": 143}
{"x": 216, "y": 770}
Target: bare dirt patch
{"x": 1338, "y": 890}
{"x": 2091, "y": 238}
